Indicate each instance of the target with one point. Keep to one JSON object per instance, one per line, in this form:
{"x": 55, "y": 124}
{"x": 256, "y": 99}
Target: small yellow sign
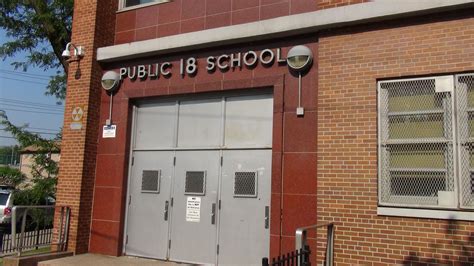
{"x": 77, "y": 115}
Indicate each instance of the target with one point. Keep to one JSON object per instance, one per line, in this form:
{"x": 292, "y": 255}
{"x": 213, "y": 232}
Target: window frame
{"x": 402, "y": 208}
{"x": 122, "y": 7}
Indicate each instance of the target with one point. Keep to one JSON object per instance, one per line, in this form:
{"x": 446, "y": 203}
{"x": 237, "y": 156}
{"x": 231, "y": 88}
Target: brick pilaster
{"x": 91, "y": 29}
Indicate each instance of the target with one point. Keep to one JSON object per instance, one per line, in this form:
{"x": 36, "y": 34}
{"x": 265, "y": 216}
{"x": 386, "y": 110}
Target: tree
{"x": 41, "y": 28}
{"x": 10, "y": 176}
{"x": 44, "y": 170}
{"x": 9, "y": 155}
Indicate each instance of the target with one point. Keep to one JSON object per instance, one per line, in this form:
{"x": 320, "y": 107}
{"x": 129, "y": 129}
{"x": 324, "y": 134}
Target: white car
{"x": 6, "y": 205}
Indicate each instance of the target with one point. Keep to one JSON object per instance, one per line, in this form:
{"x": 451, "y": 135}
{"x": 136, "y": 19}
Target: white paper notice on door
{"x": 193, "y": 209}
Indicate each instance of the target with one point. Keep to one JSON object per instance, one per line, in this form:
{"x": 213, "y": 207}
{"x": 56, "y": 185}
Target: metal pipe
{"x": 330, "y": 245}
{"x": 60, "y": 235}
{"x": 299, "y": 89}
{"x": 109, "y": 122}
{"x": 301, "y": 240}
{"x": 66, "y": 228}
{"x": 14, "y": 227}
{"x": 23, "y": 227}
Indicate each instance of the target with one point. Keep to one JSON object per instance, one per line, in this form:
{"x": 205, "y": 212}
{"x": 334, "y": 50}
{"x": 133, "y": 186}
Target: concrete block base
{"x": 34, "y": 259}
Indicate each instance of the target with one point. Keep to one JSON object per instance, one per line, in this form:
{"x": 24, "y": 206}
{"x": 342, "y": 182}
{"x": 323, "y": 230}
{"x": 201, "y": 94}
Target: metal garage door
{"x": 199, "y": 186}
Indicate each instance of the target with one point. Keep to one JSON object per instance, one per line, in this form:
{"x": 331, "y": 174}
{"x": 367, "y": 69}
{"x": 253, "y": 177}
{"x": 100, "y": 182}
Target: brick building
{"x": 213, "y": 155}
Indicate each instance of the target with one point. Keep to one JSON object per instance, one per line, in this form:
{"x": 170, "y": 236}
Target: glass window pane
{"x": 413, "y": 95}
{"x": 3, "y": 198}
{"x": 418, "y": 156}
{"x": 416, "y": 126}
{"x": 137, "y": 2}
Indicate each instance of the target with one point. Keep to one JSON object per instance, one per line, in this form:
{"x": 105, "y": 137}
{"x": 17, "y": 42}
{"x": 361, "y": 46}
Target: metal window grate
{"x": 416, "y": 142}
{"x": 195, "y": 183}
{"x": 472, "y": 184}
{"x": 465, "y": 116}
{"x": 151, "y": 181}
{"x": 245, "y": 184}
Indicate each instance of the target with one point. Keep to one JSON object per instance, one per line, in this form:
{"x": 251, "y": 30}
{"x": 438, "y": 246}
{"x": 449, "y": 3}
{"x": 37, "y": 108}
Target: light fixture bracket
{"x": 78, "y": 52}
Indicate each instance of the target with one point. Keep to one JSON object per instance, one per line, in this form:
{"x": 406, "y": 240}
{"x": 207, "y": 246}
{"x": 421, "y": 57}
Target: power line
{"x": 48, "y": 129}
{"x": 37, "y": 132}
{"x": 26, "y": 75}
{"x": 29, "y": 103}
{"x": 25, "y": 111}
{"x": 22, "y": 72}
{"x": 5, "y": 137}
{"x": 26, "y": 81}
{"x": 33, "y": 107}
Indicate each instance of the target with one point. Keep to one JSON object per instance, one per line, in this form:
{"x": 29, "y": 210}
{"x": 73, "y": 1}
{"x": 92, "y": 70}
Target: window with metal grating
{"x": 151, "y": 181}
{"x": 195, "y": 183}
{"x": 245, "y": 184}
{"x": 465, "y": 118}
{"x": 421, "y": 121}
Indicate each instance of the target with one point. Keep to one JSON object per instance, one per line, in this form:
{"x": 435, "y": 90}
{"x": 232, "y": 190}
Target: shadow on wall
{"x": 454, "y": 249}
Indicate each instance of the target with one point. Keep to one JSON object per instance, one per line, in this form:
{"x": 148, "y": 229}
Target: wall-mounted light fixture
{"x": 299, "y": 59}
{"x": 78, "y": 52}
{"x": 110, "y": 82}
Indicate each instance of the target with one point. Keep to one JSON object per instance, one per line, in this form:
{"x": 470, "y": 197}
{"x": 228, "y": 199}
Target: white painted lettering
{"x": 130, "y": 75}
{"x": 164, "y": 66}
{"x": 141, "y": 72}
{"x": 267, "y": 56}
{"x": 221, "y": 60}
{"x": 235, "y": 60}
{"x": 211, "y": 63}
{"x": 250, "y": 58}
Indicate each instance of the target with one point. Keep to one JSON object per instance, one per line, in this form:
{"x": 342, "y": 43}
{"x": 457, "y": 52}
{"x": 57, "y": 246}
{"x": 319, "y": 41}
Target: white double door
{"x": 202, "y": 205}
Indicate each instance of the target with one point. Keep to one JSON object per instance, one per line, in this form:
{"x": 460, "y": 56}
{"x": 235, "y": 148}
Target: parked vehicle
{"x": 6, "y": 204}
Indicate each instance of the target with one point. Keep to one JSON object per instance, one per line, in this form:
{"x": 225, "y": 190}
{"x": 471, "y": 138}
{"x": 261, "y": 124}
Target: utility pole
{"x": 11, "y": 159}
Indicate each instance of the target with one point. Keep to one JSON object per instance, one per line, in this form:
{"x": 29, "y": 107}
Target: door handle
{"x": 267, "y": 217}
{"x": 213, "y": 213}
{"x": 166, "y": 210}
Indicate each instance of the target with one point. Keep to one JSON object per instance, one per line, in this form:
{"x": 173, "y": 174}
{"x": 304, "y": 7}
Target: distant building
{"x": 27, "y": 159}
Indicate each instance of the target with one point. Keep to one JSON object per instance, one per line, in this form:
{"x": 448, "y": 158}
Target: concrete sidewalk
{"x": 96, "y": 259}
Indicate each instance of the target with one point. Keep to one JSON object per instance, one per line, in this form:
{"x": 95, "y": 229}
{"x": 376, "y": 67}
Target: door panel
{"x": 155, "y": 126}
{"x": 200, "y": 123}
{"x": 147, "y": 226}
{"x": 244, "y": 234}
{"x": 248, "y": 121}
{"x": 193, "y": 227}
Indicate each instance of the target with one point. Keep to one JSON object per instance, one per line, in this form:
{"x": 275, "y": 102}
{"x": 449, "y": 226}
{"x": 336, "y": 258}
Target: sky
{"x": 22, "y": 97}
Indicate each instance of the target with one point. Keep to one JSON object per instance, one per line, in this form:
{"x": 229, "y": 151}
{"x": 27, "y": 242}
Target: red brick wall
{"x": 294, "y": 140}
{"x": 181, "y": 16}
{"x": 78, "y": 149}
{"x": 350, "y": 62}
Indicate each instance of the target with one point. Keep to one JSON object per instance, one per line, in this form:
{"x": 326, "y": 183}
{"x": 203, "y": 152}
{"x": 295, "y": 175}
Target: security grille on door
{"x": 195, "y": 183}
{"x": 245, "y": 184}
{"x": 151, "y": 181}
{"x": 419, "y": 126}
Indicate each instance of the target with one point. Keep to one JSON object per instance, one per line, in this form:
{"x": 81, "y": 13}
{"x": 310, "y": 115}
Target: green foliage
{"x": 43, "y": 169}
{"x": 10, "y": 176}
{"x": 41, "y": 28}
{"x": 6, "y": 155}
